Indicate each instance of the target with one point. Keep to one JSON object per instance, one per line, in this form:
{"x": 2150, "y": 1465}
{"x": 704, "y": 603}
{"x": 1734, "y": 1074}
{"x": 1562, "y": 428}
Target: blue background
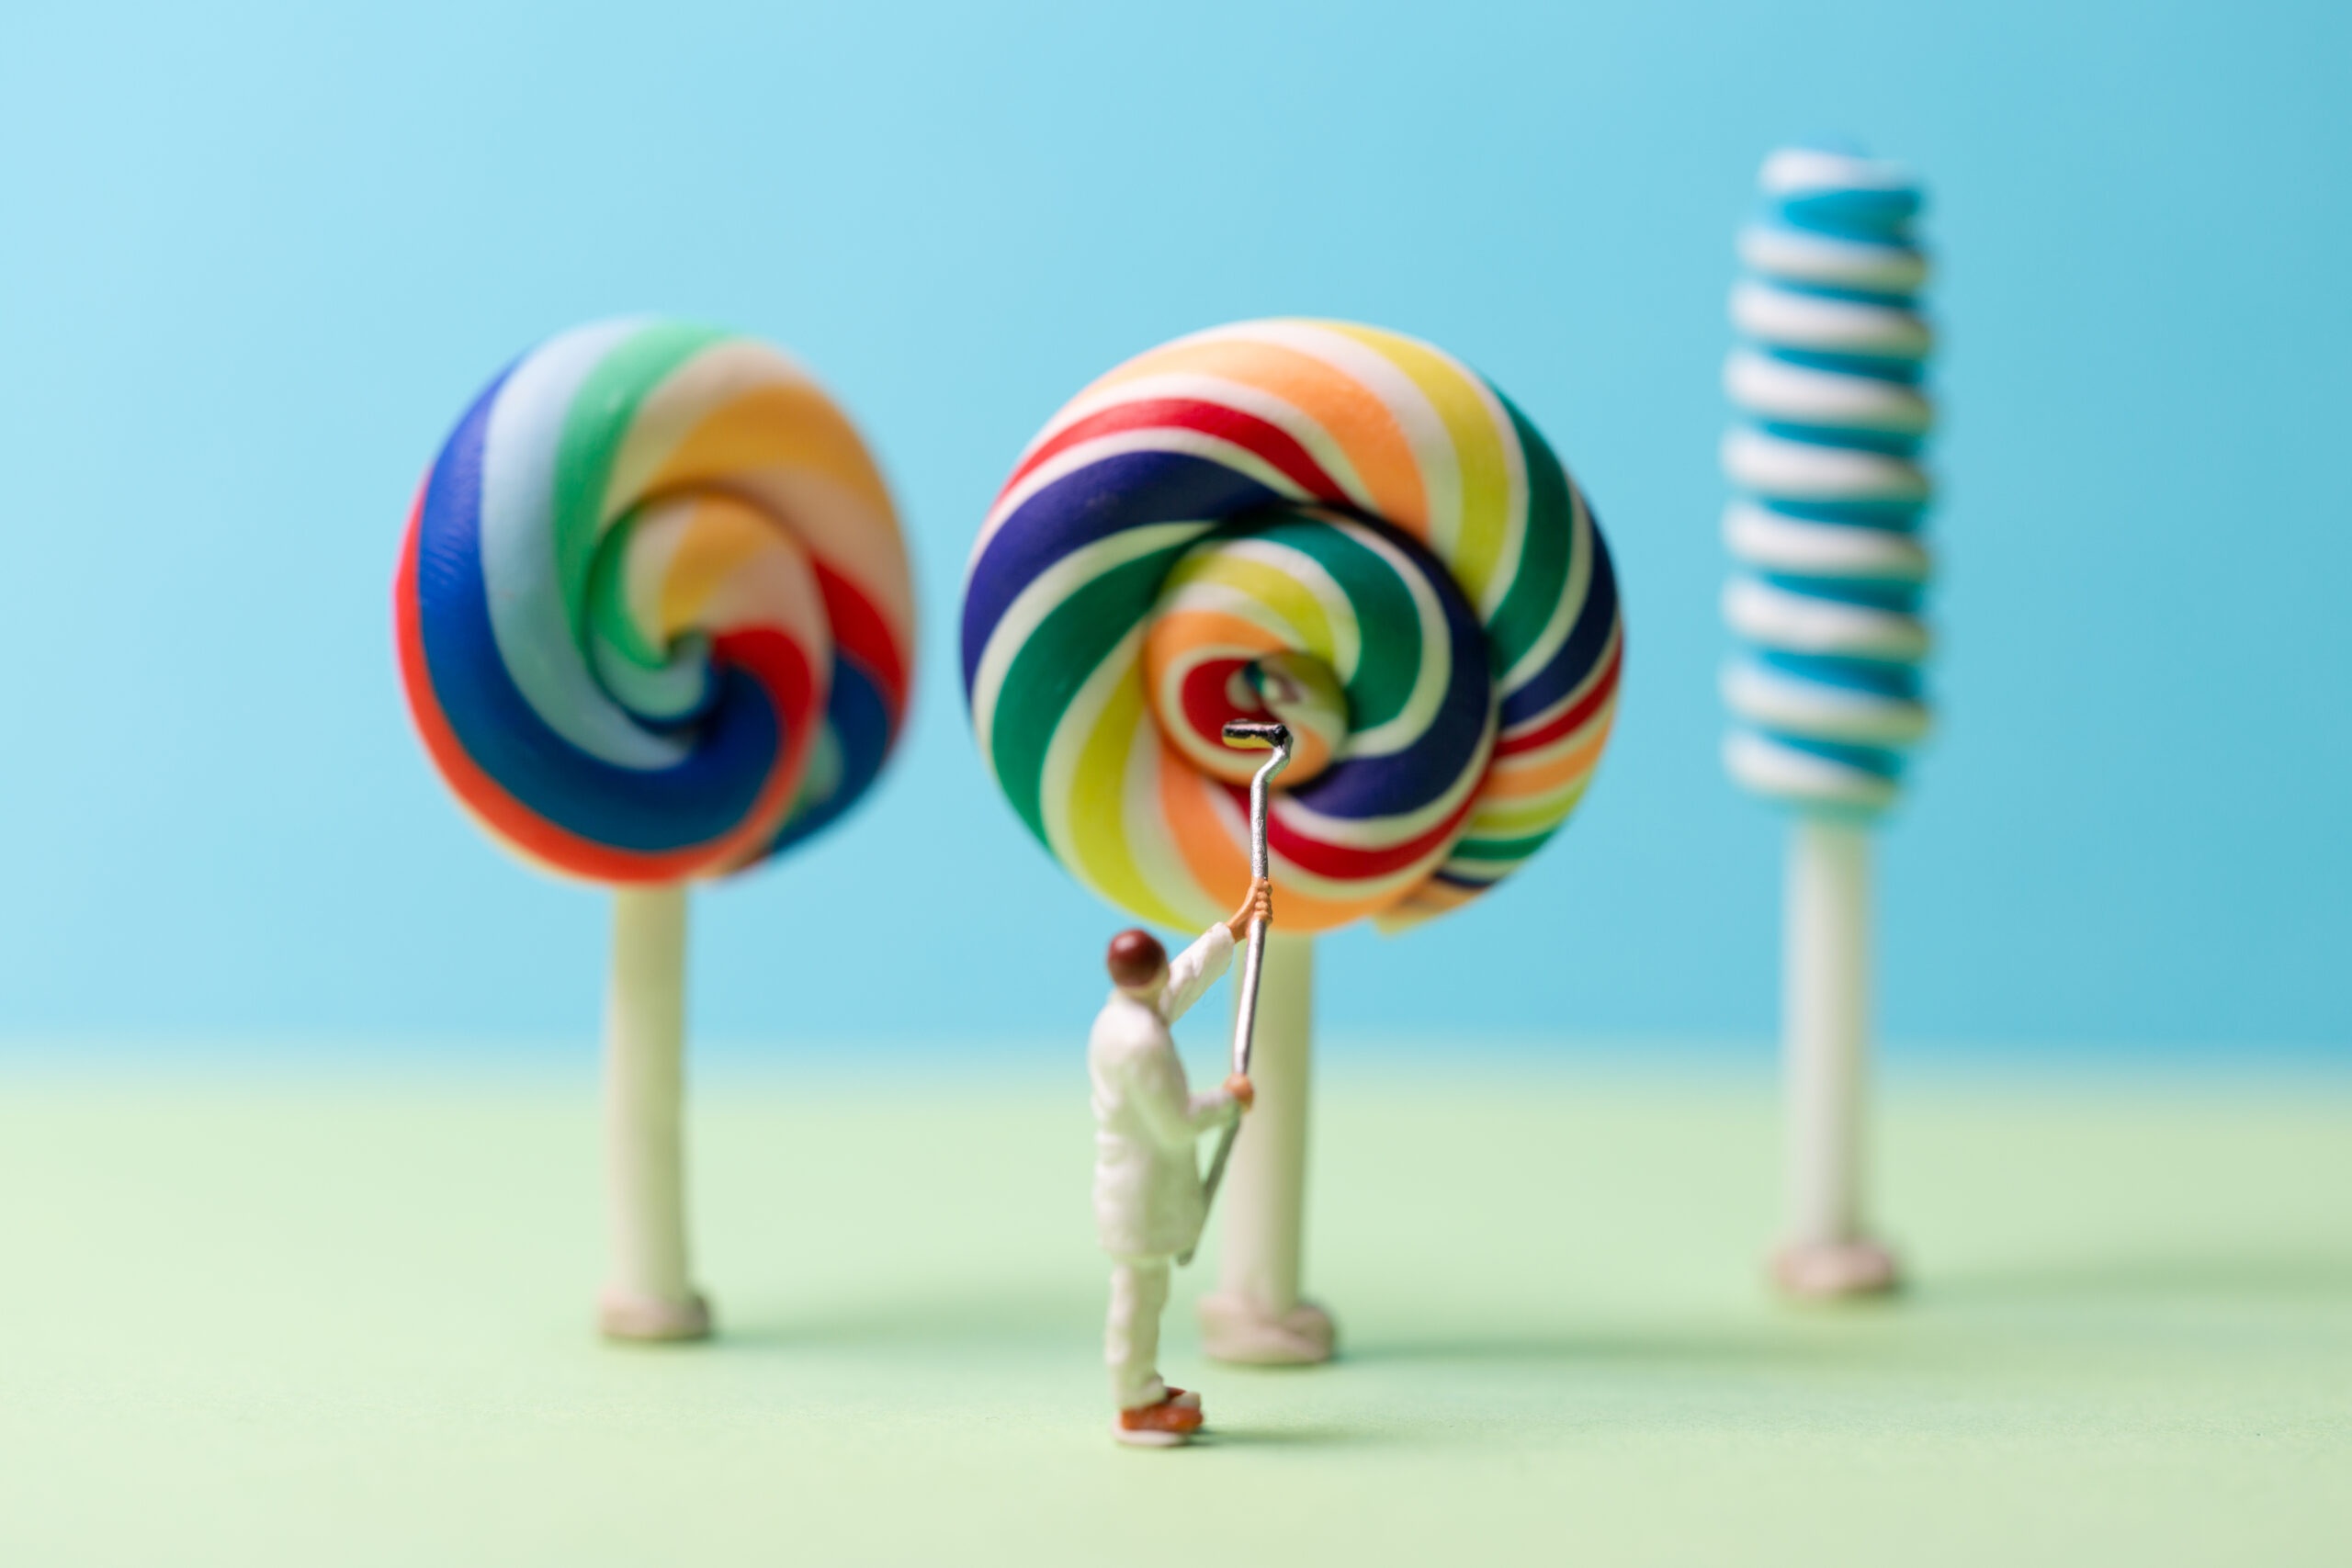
{"x": 258, "y": 261}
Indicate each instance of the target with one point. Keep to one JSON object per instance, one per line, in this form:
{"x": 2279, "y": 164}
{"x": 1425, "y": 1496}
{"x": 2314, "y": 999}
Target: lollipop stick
{"x": 648, "y": 1295}
{"x": 1826, "y": 1027}
{"x": 1256, "y": 1312}
{"x": 1245, "y": 999}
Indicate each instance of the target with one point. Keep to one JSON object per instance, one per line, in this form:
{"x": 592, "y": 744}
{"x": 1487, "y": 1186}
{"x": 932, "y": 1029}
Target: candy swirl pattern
{"x": 654, "y": 612}
{"x": 1338, "y": 525}
{"x": 1826, "y": 694}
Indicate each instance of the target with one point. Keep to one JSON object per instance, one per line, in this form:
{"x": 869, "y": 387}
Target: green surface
{"x": 340, "y": 1325}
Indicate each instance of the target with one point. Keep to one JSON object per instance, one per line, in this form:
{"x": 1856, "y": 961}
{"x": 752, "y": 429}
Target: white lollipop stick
{"x": 1825, "y": 1026}
{"x": 1258, "y": 1272}
{"x": 1255, "y": 1315}
{"x": 1245, "y": 1002}
{"x": 1825, "y": 1037}
{"x": 648, "y": 1295}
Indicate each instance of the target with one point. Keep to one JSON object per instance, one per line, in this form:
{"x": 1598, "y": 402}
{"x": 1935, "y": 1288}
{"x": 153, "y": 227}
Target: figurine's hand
{"x": 1239, "y": 1086}
{"x": 1259, "y": 906}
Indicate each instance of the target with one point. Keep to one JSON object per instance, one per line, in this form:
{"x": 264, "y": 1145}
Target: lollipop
{"x": 1347, "y": 530}
{"x": 1824, "y": 694}
{"x": 654, "y": 625}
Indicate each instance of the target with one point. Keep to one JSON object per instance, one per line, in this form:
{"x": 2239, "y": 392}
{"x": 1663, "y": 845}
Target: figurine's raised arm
{"x": 1199, "y": 966}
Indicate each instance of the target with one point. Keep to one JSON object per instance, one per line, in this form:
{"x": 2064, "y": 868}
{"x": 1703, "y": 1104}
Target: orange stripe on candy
{"x": 1356, "y": 420}
{"x": 1188, "y": 801}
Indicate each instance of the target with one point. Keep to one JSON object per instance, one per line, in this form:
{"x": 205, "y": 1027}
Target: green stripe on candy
{"x": 1386, "y": 666}
{"x": 1499, "y": 848}
{"x": 595, "y": 426}
{"x": 1543, "y": 561}
{"x": 1058, "y": 657}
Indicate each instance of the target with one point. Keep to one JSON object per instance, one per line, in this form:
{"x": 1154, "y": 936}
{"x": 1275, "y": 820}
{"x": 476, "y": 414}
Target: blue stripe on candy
{"x": 861, "y": 724}
{"x": 1887, "y": 516}
{"x": 699, "y": 800}
{"x": 1875, "y": 761}
{"x": 1898, "y": 597}
{"x": 1890, "y": 298}
{"x": 1406, "y": 780}
{"x": 1882, "y": 217}
{"x": 1845, "y": 437}
{"x": 1906, "y": 370}
{"x": 1898, "y": 680}
{"x": 1582, "y": 651}
{"x": 1127, "y": 491}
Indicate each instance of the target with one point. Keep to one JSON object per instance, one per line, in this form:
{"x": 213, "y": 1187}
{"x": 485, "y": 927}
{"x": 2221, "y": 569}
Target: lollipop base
{"x": 1239, "y": 1329}
{"x": 621, "y": 1314}
{"x": 1834, "y": 1270}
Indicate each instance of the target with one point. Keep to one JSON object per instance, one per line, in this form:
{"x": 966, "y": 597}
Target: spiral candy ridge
{"x": 654, "y": 610}
{"x": 1825, "y": 692}
{"x": 1338, "y": 525}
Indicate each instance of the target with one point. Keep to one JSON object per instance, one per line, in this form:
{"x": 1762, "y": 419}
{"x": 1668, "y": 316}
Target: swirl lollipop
{"x": 654, "y": 626}
{"x": 1824, "y": 694}
{"x": 1349, "y": 530}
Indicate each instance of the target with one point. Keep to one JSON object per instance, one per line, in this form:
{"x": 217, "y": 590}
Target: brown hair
{"x": 1135, "y": 958}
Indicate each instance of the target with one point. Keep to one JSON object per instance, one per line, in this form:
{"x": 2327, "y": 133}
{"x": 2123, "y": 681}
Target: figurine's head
{"x": 1139, "y": 965}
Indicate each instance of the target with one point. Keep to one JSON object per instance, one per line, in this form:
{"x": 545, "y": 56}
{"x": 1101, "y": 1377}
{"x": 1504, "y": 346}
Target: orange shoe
{"x": 1162, "y": 1426}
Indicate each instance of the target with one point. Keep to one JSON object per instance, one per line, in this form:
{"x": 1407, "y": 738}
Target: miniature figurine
{"x": 1148, "y": 1201}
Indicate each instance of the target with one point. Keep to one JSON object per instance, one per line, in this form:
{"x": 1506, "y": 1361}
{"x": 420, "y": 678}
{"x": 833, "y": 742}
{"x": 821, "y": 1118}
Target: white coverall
{"x": 1147, "y": 1201}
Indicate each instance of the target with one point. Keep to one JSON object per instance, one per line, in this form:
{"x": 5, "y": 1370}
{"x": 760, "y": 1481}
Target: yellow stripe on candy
{"x": 1279, "y": 590}
{"x": 1096, "y": 792}
{"x": 720, "y": 537}
{"x": 1480, "y": 449}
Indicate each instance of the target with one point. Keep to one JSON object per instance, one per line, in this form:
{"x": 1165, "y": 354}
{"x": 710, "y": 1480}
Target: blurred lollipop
{"x": 1825, "y": 692}
{"x": 654, "y": 626}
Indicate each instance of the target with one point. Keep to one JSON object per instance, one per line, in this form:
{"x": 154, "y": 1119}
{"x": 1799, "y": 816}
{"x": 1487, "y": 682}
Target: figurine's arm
{"x": 1220, "y": 1105}
{"x": 1196, "y": 968}
{"x": 1156, "y": 1087}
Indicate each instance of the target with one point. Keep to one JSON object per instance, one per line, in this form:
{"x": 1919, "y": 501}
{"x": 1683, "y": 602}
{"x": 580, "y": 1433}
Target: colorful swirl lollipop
{"x": 654, "y": 621}
{"x": 654, "y": 612}
{"x": 1353, "y": 530}
{"x": 1341, "y": 524}
{"x": 1826, "y": 694}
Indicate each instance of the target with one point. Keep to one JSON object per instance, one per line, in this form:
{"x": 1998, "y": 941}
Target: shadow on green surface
{"x": 2309, "y": 1277}
{"x": 1792, "y": 1343}
{"x": 961, "y": 1322}
{"x": 1319, "y": 1437}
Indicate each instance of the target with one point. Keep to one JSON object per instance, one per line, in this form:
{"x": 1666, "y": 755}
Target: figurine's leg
{"x": 1255, "y": 1315}
{"x": 1131, "y": 1340}
{"x": 1825, "y": 1028}
{"x": 648, "y": 1295}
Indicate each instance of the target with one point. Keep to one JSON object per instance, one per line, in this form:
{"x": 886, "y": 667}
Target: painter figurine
{"x": 1149, "y": 1202}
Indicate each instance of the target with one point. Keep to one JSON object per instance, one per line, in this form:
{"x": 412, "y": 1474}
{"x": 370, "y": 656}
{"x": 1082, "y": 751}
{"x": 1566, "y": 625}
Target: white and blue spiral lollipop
{"x": 1824, "y": 691}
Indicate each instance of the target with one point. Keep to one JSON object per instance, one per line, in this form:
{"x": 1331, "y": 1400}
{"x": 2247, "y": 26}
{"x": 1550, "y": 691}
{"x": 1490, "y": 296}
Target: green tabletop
{"x": 345, "y": 1323}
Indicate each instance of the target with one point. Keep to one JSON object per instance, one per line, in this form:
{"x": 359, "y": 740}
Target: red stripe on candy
{"x": 1581, "y": 710}
{"x": 1276, "y": 446}
{"x": 1207, "y": 699}
{"x": 859, "y": 628}
{"x": 1341, "y": 862}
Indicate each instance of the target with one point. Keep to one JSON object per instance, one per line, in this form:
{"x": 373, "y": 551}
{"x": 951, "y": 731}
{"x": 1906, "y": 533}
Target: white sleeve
{"x": 1154, "y": 1087}
{"x": 1194, "y": 970}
